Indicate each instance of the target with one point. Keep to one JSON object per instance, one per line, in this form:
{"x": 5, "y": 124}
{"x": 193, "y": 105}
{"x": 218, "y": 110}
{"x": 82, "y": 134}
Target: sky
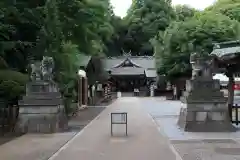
{"x": 121, "y": 6}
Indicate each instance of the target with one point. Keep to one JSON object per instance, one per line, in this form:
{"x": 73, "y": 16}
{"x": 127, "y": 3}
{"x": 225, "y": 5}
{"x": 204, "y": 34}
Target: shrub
{"x": 12, "y": 85}
{"x": 14, "y": 76}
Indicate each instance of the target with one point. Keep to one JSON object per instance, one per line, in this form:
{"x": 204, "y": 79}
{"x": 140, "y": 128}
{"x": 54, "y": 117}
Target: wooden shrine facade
{"x": 227, "y": 59}
{"x": 129, "y": 72}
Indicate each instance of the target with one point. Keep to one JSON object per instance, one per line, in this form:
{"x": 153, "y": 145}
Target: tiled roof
{"x": 151, "y": 73}
{"x": 127, "y": 71}
{"x": 83, "y": 60}
{"x": 145, "y": 62}
{"x": 226, "y": 50}
{"x": 227, "y": 44}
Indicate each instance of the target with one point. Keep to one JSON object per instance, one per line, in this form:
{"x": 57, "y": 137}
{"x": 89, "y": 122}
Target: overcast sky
{"x": 121, "y": 6}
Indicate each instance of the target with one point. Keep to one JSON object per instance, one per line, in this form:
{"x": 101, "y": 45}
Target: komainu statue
{"x": 47, "y": 66}
{"x": 42, "y": 70}
{"x": 201, "y": 66}
{"x": 36, "y": 71}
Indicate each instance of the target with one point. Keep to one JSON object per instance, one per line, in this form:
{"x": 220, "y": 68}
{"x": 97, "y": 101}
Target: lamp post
{"x": 81, "y": 88}
{"x": 81, "y": 73}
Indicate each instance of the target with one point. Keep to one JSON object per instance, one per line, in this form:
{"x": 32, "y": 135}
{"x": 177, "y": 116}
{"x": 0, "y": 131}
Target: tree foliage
{"x": 184, "y": 12}
{"x": 64, "y": 29}
{"x": 145, "y": 18}
{"x": 230, "y": 8}
{"x": 197, "y": 33}
{"x": 61, "y": 29}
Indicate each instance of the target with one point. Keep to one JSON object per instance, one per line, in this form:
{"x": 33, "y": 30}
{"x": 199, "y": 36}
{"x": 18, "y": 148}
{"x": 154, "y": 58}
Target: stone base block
{"x": 42, "y": 123}
{"x": 205, "y": 121}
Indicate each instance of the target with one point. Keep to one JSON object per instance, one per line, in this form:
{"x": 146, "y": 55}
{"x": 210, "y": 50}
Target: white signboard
{"x": 119, "y": 118}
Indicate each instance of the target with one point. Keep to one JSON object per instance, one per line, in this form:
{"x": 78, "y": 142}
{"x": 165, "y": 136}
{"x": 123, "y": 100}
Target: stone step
{"x": 203, "y": 99}
{"x": 204, "y": 94}
{"x": 40, "y": 102}
{"x": 56, "y": 94}
{"x": 50, "y": 95}
{"x": 26, "y": 98}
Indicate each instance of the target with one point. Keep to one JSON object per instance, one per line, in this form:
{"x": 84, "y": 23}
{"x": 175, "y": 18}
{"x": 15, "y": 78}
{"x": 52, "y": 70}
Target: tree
{"x": 19, "y": 25}
{"x": 174, "y": 46}
{"x": 87, "y": 24}
{"x": 184, "y": 12}
{"x": 230, "y": 8}
{"x": 118, "y": 38}
{"x": 61, "y": 29}
{"x": 144, "y": 19}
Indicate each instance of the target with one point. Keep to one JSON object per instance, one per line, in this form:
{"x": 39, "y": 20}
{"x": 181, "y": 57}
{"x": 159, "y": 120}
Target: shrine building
{"x": 129, "y": 72}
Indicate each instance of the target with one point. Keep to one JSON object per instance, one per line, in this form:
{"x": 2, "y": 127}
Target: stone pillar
{"x": 80, "y": 91}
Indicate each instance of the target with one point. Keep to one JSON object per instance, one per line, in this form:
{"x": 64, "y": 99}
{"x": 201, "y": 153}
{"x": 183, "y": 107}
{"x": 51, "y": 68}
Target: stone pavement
{"x": 153, "y": 134}
{"x": 190, "y": 145}
{"x": 34, "y": 147}
{"x": 95, "y": 143}
{"x": 43, "y": 146}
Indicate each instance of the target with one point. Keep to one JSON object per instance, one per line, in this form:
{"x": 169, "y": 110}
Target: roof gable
{"x": 151, "y": 73}
{"x": 146, "y": 62}
{"x": 226, "y": 50}
{"x": 83, "y": 60}
{"x": 227, "y": 44}
{"x": 127, "y": 63}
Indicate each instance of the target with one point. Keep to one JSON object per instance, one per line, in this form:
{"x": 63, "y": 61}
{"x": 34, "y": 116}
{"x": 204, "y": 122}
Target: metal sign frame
{"x": 124, "y": 114}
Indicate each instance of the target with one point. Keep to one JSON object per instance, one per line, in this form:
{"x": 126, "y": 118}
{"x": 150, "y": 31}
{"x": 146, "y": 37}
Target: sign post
{"x": 118, "y": 118}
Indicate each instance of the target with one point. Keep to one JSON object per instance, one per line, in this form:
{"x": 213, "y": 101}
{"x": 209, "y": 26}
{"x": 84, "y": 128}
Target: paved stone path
{"x": 192, "y": 146}
{"x": 95, "y": 143}
{"x": 153, "y": 135}
{"x": 34, "y": 147}
{"x": 43, "y": 146}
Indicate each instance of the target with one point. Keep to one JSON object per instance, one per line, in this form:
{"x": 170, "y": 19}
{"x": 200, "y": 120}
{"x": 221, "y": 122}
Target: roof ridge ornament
{"x": 216, "y": 46}
{"x": 125, "y": 54}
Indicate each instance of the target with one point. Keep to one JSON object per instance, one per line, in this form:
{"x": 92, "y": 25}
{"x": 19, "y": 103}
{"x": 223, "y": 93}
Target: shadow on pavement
{"x": 84, "y": 117}
{"x": 76, "y": 123}
{"x": 8, "y": 137}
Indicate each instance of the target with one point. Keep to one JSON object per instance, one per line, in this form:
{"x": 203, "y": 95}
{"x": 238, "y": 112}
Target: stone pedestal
{"x": 204, "y": 107}
{"x": 41, "y": 109}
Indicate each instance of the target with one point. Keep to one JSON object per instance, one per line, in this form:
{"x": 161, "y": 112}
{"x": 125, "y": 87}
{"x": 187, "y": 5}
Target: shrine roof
{"x": 226, "y": 50}
{"x": 145, "y": 62}
{"x": 127, "y": 71}
{"x": 151, "y": 73}
{"x": 83, "y": 60}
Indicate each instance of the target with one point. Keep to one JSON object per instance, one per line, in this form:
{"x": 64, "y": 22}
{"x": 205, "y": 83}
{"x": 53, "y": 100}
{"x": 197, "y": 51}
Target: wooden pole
{"x": 85, "y": 91}
{"x": 79, "y": 92}
{"x": 231, "y": 83}
{"x": 230, "y": 89}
